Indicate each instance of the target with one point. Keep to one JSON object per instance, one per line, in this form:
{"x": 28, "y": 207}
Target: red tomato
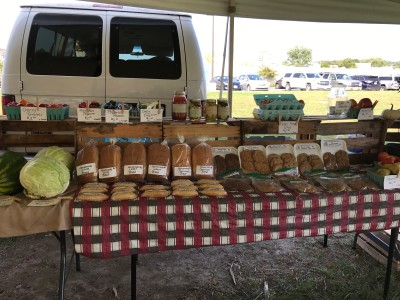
{"x": 382, "y": 155}
{"x": 388, "y": 160}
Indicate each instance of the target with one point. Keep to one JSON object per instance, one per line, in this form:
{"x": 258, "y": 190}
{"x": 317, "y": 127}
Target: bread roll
{"x": 181, "y": 161}
{"x": 158, "y": 162}
{"x": 110, "y": 163}
{"x": 134, "y": 164}
{"x": 87, "y": 164}
{"x": 202, "y": 160}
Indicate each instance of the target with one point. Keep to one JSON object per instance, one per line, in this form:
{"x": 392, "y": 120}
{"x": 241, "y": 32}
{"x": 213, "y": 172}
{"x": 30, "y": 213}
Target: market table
{"x": 111, "y": 229}
{"x": 19, "y": 219}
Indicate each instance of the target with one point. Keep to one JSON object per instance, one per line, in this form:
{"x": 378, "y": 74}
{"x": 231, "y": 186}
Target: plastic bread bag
{"x": 110, "y": 162}
{"x": 267, "y": 185}
{"x": 237, "y": 184}
{"x": 301, "y": 186}
{"x": 360, "y": 182}
{"x": 333, "y": 184}
{"x": 134, "y": 162}
{"x": 181, "y": 160}
{"x": 87, "y": 163}
{"x": 202, "y": 161}
{"x": 158, "y": 161}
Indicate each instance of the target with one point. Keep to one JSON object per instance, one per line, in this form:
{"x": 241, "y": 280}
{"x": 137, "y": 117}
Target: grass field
{"x": 315, "y": 101}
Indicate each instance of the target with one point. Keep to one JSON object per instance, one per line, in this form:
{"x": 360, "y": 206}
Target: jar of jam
{"x": 179, "y": 106}
{"x": 211, "y": 110}
{"x": 195, "y": 110}
{"x": 223, "y": 109}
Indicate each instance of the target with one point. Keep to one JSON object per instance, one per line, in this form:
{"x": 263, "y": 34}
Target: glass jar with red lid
{"x": 179, "y": 106}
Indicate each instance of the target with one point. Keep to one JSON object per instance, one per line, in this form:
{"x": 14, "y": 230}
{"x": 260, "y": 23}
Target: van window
{"x": 65, "y": 45}
{"x": 144, "y": 48}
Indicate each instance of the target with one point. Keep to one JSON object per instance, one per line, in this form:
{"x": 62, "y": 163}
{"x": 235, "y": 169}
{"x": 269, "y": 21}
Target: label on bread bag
{"x": 205, "y": 170}
{"x": 86, "y": 169}
{"x": 182, "y": 171}
{"x": 108, "y": 172}
{"x": 158, "y": 170}
{"x": 133, "y": 170}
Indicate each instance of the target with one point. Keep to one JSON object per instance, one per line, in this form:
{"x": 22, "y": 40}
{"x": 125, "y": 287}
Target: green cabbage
{"x": 57, "y": 153}
{"x": 44, "y": 177}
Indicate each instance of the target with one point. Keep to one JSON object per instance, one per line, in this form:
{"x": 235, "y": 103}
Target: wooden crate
{"x": 102, "y": 132}
{"x": 257, "y": 132}
{"x": 376, "y": 244}
{"x": 30, "y": 136}
{"x": 217, "y": 135}
{"x": 365, "y": 139}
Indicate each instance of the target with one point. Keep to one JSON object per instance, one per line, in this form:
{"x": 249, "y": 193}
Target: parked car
{"x": 304, "y": 81}
{"x": 390, "y": 82}
{"x": 369, "y": 82}
{"x": 343, "y": 79}
{"x": 250, "y": 82}
{"x": 236, "y": 86}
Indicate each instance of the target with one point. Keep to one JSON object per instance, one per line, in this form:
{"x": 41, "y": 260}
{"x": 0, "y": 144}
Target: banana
{"x": 394, "y": 169}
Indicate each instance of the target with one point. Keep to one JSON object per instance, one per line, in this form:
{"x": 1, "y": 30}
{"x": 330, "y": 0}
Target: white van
{"x": 70, "y": 53}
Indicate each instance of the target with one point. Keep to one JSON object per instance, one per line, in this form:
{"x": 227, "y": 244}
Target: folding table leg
{"x": 325, "y": 240}
{"x": 63, "y": 263}
{"x": 77, "y": 255}
{"x": 134, "y": 260}
{"x": 355, "y": 240}
{"x": 393, "y": 240}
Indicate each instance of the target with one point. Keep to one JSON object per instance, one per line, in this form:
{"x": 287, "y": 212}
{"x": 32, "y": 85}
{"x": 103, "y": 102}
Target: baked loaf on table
{"x": 181, "y": 155}
{"x": 87, "y": 164}
{"x": 202, "y": 161}
{"x": 110, "y": 163}
{"x": 134, "y": 163}
{"x": 158, "y": 162}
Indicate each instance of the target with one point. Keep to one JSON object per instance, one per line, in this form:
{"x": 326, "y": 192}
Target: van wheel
{"x": 248, "y": 88}
{"x": 308, "y": 87}
{"x": 383, "y": 88}
{"x": 287, "y": 86}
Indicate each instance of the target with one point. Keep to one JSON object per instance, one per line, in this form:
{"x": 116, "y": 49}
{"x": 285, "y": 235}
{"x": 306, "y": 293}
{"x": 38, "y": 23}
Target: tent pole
{"x": 221, "y": 81}
{"x": 232, "y": 10}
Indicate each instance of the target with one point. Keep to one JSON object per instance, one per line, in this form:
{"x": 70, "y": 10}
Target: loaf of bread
{"x": 202, "y": 161}
{"x": 158, "y": 162}
{"x": 181, "y": 155}
{"x": 134, "y": 164}
{"x": 110, "y": 163}
{"x": 87, "y": 164}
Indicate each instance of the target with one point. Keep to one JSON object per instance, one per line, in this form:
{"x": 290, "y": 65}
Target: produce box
{"x": 278, "y": 107}
{"x": 273, "y": 97}
{"x": 57, "y": 113}
{"x": 13, "y": 112}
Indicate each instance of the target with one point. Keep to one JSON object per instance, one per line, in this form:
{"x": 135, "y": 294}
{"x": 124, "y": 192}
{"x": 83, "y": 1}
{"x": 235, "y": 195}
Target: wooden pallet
{"x": 376, "y": 244}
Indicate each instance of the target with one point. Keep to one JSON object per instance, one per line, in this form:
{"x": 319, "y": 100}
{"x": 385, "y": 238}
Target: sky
{"x": 266, "y": 41}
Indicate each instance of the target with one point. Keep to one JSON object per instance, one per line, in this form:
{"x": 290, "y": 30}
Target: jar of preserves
{"x": 211, "y": 110}
{"x": 223, "y": 109}
{"x": 179, "y": 106}
{"x": 195, "y": 110}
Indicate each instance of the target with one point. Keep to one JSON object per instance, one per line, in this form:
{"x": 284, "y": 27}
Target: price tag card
{"x": 117, "y": 116}
{"x": 204, "y": 170}
{"x": 46, "y": 202}
{"x": 89, "y": 114}
{"x": 33, "y": 113}
{"x": 6, "y": 200}
{"x": 183, "y": 171}
{"x": 151, "y": 115}
{"x": 342, "y": 106}
{"x": 288, "y": 127}
{"x": 366, "y": 114}
{"x": 391, "y": 182}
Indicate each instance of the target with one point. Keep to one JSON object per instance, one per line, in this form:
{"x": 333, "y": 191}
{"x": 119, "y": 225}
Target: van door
{"x": 146, "y": 58}
{"x": 63, "y": 59}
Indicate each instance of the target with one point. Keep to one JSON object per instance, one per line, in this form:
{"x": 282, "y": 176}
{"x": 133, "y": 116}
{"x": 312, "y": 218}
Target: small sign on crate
{"x": 117, "y": 116}
{"x": 89, "y": 115}
{"x": 151, "y": 115}
{"x": 29, "y": 113}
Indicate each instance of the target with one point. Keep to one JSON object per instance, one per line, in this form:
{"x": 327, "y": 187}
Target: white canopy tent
{"x": 335, "y": 11}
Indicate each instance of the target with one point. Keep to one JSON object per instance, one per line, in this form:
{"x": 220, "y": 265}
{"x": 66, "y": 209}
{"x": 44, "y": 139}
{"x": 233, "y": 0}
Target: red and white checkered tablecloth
{"x": 111, "y": 229}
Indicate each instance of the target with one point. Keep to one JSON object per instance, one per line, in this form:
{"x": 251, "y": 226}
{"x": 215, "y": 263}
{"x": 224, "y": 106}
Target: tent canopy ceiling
{"x": 340, "y": 11}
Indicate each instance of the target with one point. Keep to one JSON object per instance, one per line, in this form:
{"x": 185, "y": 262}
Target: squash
{"x": 391, "y": 114}
{"x": 11, "y": 164}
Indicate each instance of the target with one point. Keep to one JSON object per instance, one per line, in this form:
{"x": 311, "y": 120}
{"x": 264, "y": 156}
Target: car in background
{"x": 342, "y": 79}
{"x": 390, "y": 82}
{"x": 369, "y": 82}
{"x": 251, "y": 82}
{"x": 236, "y": 86}
{"x": 304, "y": 81}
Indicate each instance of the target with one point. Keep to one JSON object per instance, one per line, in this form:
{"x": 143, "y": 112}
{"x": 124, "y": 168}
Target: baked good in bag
{"x": 181, "y": 161}
{"x": 158, "y": 162}
{"x": 134, "y": 162}
{"x": 87, "y": 164}
{"x": 202, "y": 161}
{"x": 110, "y": 163}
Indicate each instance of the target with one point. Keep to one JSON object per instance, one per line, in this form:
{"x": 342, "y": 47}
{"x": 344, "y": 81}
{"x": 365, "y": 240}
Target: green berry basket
{"x": 57, "y": 113}
{"x": 13, "y": 112}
